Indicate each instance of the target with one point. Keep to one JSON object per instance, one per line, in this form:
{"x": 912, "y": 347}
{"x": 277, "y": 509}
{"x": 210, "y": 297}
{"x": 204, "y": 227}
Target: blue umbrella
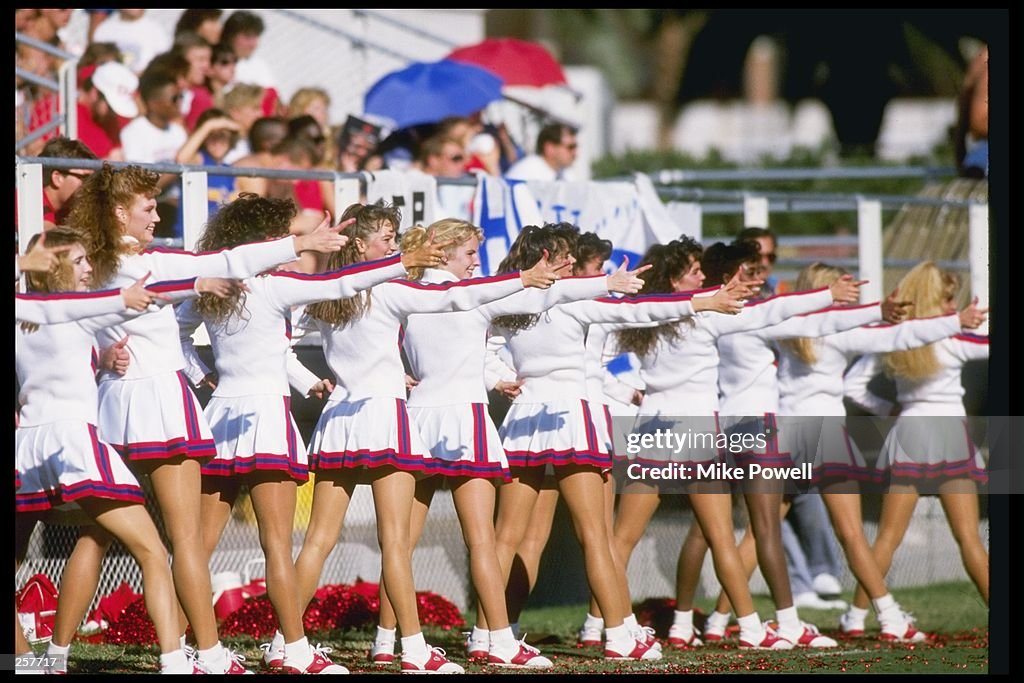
{"x": 427, "y": 92}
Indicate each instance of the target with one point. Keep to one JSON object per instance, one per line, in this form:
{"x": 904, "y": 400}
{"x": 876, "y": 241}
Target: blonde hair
{"x": 303, "y": 97}
{"x": 369, "y": 220}
{"x": 928, "y": 288}
{"x": 242, "y": 95}
{"x": 61, "y": 278}
{"x": 814, "y": 276}
{"x": 452, "y": 230}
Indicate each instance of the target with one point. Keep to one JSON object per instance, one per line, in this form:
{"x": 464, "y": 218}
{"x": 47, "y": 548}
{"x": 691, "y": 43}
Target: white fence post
{"x": 755, "y": 212}
{"x": 30, "y": 203}
{"x": 195, "y": 207}
{"x": 869, "y": 237}
{"x": 67, "y": 98}
{"x": 346, "y": 193}
{"x": 978, "y": 256}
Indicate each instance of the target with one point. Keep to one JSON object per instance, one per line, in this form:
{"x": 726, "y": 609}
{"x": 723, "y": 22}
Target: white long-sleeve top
{"x": 550, "y": 356}
{"x": 251, "y": 352}
{"x": 681, "y": 374}
{"x": 364, "y": 354}
{"x": 943, "y": 392}
{"x": 818, "y": 389}
{"x": 447, "y": 352}
{"x": 747, "y": 383}
{"x": 54, "y": 363}
{"x": 153, "y": 344}
{"x": 62, "y": 307}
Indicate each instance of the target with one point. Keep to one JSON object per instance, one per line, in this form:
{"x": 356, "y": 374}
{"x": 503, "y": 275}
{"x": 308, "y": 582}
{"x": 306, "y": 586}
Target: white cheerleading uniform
{"x": 930, "y": 441}
{"x": 46, "y": 309}
{"x": 365, "y": 422}
{"x": 681, "y": 376}
{"x": 150, "y": 412}
{"x": 747, "y": 377}
{"x": 447, "y": 353}
{"x": 249, "y": 412}
{"x": 58, "y": 454}
{"x": 811, "y": 396}
{"x": 552, "y": 421}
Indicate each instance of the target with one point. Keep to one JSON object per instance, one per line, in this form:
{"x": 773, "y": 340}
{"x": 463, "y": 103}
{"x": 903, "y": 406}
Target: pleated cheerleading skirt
{"x": 255, "y": 434}
{"x": 461, "y": 440}
{"x": 555, "y": 433}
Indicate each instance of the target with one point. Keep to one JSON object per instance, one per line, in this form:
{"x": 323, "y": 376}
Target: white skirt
{"x": 154, "y": 418}
{"x": 61, "y": 462}
{"x": 695, "y": 440}
{"x": 827, "y": 445}
{"x": 762, "y": 434}
{"x": 461, "y": 440}
{"x": 255, "y": 433}
{"x": 372, "y": 432}
{"x": 555, "y": 433}
{"x": 929, "y": 449}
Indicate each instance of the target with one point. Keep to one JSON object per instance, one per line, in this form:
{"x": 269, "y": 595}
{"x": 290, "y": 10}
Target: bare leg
{"x": 960, "y": 503}
{"x": 844, "y": 508}
{"x": 79, "y": 581}
{"x": 747, "y": 549}
{"x": 177, "y": 487}
{"x": 764, "y": 506}
{"x": 218, "y": 497}
{"x": 425, "y": 489}
{"x": 581, "y": 486}
{"x": 516, "y": 503}
{"x": 714, "y": 514}
{"x": 897, "y": 508}
{"x": 474, "y": 503}
{"x": 636, "y": 507}
{"x": 273, "y": 501}
{"x": 688, "y": 567}
{"x": 393, "y": 494}
{"x": 332, "y": 493}
{"x": 134, "y": 528}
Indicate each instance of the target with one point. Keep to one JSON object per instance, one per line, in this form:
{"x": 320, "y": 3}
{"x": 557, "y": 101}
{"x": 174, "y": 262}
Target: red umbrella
{"x": 516, "y": 62}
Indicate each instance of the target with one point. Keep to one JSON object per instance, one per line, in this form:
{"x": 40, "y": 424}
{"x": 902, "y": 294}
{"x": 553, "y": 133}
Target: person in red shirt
{"x": 106, "y": 102}
{"x": 60, "y": 184}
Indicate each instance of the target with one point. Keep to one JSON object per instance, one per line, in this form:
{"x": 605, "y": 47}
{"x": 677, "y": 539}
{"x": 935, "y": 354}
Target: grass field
{"x": 952, "y": 612}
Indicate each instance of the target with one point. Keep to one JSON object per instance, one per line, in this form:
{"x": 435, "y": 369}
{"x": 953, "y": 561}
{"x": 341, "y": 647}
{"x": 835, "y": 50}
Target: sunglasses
{"x": 176, "y": 98}
{"x": 571, "y": 146}
{"x": 772, "y": 257}
{"x": 73, "y": 174}
{"x": 225, "y": 62}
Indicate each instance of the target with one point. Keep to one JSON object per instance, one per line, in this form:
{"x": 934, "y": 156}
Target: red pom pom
{"x": 254, "y": 618}
{"x": 438, "y": 611}
{"x": 370, "y": 591}
{"x": 343, "y": 607}
{"x": 132, "y": 627}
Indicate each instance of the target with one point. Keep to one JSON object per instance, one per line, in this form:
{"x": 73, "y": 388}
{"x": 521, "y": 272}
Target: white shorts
{"x": 255, "y": 433}
{"x": 371, "y": 432}
{"x": 555, "y": 433}
{"x": 60, "y": 462}
{"x": 461, "y": 440}
{"x": 154, "y": 418}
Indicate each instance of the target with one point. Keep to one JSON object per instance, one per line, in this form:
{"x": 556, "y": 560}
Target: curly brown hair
{"x": 370, "y": 218}
{"x": 525, "y": 252}
{"x": 670, "y": 261}
{"x": 94, "y": 211}
{"x": 249, "y": 218}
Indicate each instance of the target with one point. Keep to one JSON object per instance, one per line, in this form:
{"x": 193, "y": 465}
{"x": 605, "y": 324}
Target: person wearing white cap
{"x": 106, "y": 94}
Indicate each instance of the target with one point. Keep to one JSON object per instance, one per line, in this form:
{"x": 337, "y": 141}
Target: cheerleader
{"x": 929, "y": 441}
{"x": 62, "y": 464}
{"x": 364, "y": 430}
{"x": 46, "y": 309}
{"x": 551, "y": 423}
{"x": 147, "y": 408}
{"x": 679, "y": 365}
{"x": 257, "y": 440}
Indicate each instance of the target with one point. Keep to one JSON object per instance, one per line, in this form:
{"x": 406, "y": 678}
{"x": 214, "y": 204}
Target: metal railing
{"x": 66, "y": 87}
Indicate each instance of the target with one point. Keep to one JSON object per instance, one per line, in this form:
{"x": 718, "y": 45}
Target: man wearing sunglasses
{"x": 556, "y": 152}
{"x": 767, "y": 244}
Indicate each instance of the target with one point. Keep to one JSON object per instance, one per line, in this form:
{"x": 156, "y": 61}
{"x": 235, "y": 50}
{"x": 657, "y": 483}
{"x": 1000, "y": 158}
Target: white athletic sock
{"x": 384, "y": 635}
{"x": 175, "y": 663}
{"x": 684, "y": 619}
{"x": 719, "y": 619}
{"x": 181, "y": 641}
{"x": 883, "y": 603}
{"x": 415, "y": 647}
{"x": 593, "y": 622}
{"x": 481, "y": 635}
{"x": 751, "y": 629}
{"x": 277, "y": 643}
{"x": 215, "y": 659}
{"x": 789, "y": 621}
{"x": 298, "y": 654}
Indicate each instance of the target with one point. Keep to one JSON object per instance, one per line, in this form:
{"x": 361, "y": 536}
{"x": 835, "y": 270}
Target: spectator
{"x": 60, "y": 184}
{"x": 175, "y": 67}
{"x": 140, "y": 38}
{"x": 156, "y": 137}
{"x": 556, "y": 152}
{"x": 214, "y": 136}
{"x": 767, "y": 244}
{"x": 222, "y": 71}
{"x": 243, "y": 103}
{"x": 442, "y": 157}
{"x": 99, "y": 53}
{"x": 242, "y": 31}
{"x": 971, "y": 137}
{"x": 205, "y": 22}
{"x": 357, "y": 146}
{"x": 264, "y": 135}
{"x": 313, "y": 195}
{"x": 106, "y": 96}
{"x": 198, "y": 52}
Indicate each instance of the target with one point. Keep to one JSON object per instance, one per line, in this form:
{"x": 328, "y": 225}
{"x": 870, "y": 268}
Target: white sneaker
{"x": 827, "y": 586}
{"x": 631, "y": 649}
{"x": 812, "y": 600}
{"x": 714, "y": 631}
{"x": 524, "y": 657}
{"x": 436, "y": 663}
{"x": 809, "y": 636}
{"x": 320, "y": 664}
{"x": 771, "y": 640}
{"x": 683, "y": 638}
{"x": 589, "y": 636}
{"x": 851, "y": 625}
{"x": 477, "y": 649}
{"x": 272, "y": 658}
{"x": 899, "y": 627}
{"x": 382, "y": 653}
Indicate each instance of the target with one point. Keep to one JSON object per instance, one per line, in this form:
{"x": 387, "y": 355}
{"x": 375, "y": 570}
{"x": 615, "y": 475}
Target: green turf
{"x": 953, "y": 612}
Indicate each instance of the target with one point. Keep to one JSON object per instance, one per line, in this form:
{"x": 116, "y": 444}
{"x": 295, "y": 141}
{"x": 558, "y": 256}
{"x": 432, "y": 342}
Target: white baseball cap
{"x": 118, "y": 85}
